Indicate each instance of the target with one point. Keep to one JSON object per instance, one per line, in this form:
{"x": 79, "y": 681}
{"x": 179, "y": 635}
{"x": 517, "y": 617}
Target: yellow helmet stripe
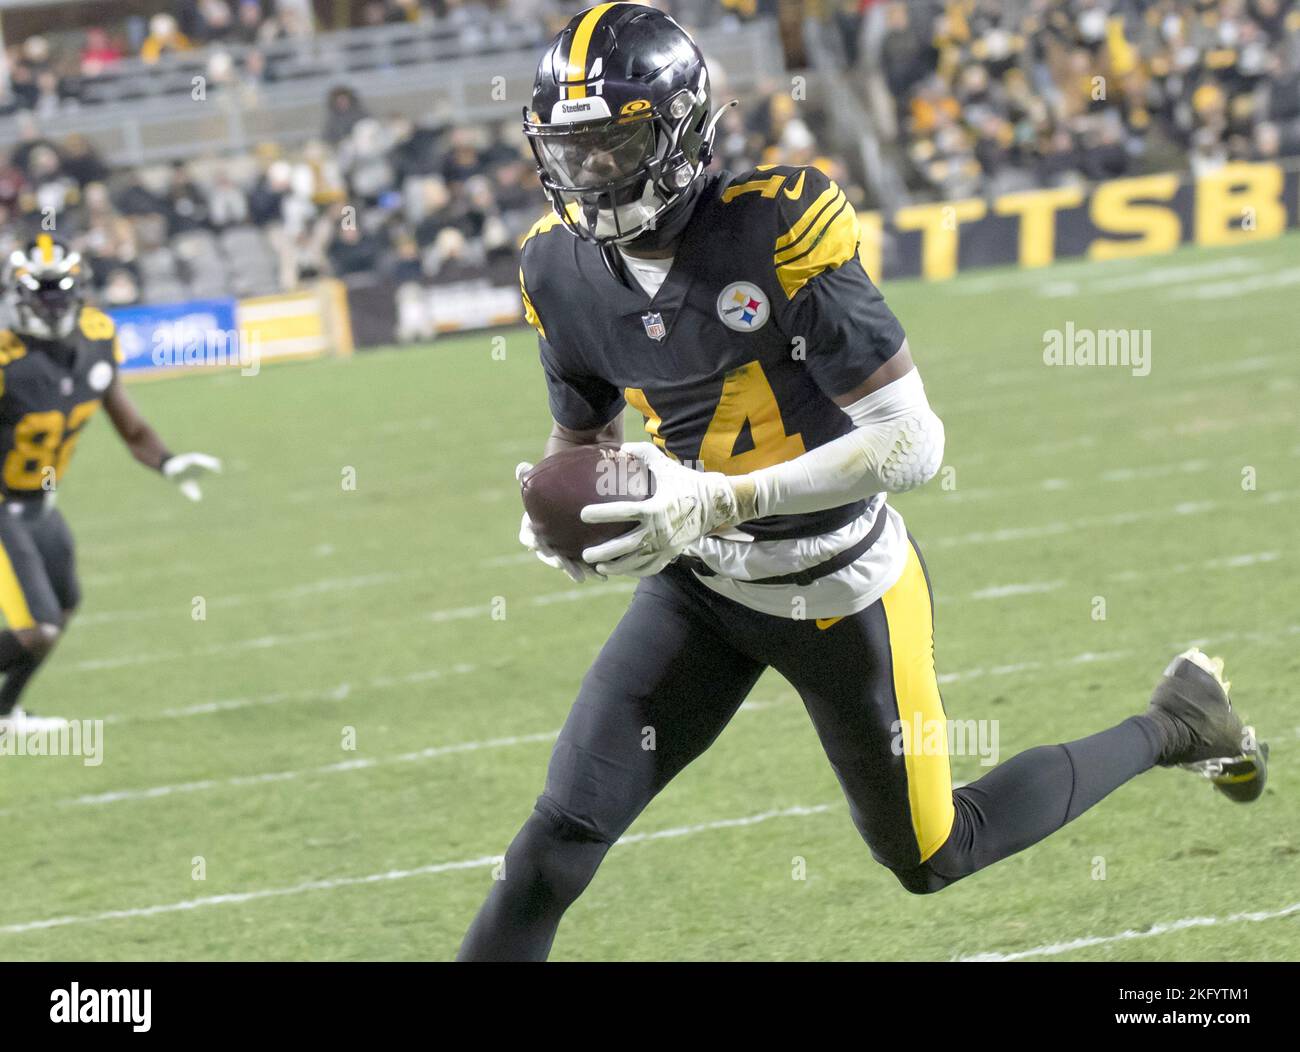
{"x": 45, "y": 245}
{"x": 578, "y": 49}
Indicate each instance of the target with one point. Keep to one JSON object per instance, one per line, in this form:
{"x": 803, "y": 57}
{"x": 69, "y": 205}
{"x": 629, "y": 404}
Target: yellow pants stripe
{"x": 578, "y": 50}
{"x": 13, "y": 603}
{"x": 916, "y": 687}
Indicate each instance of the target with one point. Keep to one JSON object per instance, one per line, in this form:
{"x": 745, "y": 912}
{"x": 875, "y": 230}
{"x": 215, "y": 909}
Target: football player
{"x": 783, "y": 406}
{"x": 58, "y": 362}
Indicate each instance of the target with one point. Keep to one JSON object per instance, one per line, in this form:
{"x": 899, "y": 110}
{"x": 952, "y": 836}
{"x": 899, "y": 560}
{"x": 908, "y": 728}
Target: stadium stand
{"x": 239, "y": 148}
{"x": 363, "y": 174}
{"x": 990, "y": 97}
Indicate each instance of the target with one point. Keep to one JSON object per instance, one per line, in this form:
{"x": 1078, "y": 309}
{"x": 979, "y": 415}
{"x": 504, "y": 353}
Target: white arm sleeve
{"x": 895, "y": 445}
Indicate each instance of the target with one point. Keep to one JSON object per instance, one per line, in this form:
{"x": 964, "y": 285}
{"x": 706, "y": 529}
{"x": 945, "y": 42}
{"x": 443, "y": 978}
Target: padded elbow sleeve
{"x": 916, "y": 453}
{"x": 896, "y": 444}
{"x": 910, "y": 450}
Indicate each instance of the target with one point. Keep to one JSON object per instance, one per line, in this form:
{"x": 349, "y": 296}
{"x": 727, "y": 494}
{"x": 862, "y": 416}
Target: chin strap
{"x": 670, "y": 225}
{"x": 706, "y": 154}
{"x": 614, "y": 264}
{"x": 664, "y": 234}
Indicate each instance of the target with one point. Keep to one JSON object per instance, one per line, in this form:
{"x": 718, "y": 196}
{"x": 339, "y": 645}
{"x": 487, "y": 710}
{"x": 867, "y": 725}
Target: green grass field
{"x": 335, "y": 614}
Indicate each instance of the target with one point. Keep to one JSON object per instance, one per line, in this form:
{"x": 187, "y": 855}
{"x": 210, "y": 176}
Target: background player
{"x": 58, "y": 363}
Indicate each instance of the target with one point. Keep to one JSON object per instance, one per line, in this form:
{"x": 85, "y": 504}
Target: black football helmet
{"x": 620, "y": 124}
{"x": 45, "y": 284}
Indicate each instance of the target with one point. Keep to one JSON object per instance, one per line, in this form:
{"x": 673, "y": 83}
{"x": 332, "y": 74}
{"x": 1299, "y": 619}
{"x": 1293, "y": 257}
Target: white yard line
{"x": 339, "y": 692}
{"x": 675, "y": 832}
{"x": 342, "y": 691}
{"x": 112, "y": 551}
{"x": 1123, "y": 518}
{"x": 483, "y": 862}
{"x": 1084, "y": 441}
{"x": 155, "y": 792}
{"x": 1215, "y": 290}
{"x": 1096, "y": 657}
{"x": 1154, "y": 277}
{"x": 268, "y": 642}
{"x": 245, "y": 896}
{"x": 1003, "y": 591}
{"x": 238, "y": 646}
{"x": 342, "y": 767}
{"x": 310, "y": 589}
{"x": 1230, "y": 562}
{"x": 1164, "y": 928}
{"x": 724, "y": 823}
{"x": 1074, "y": 271}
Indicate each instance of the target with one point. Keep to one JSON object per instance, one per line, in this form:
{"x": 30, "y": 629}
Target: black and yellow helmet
{"x": 620, "y": 123}
{"x": 45, "y": 285}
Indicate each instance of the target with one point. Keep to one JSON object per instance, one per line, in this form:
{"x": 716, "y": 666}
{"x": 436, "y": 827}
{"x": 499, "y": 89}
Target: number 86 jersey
{"x": 49, "y": 389}
{"x": 764, "y": 317}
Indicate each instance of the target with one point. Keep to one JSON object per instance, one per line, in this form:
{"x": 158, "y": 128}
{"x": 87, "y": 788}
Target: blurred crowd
{"x": 997, "y": 95}
{"x": 980, "y": 96}
{"x": 48, "y": 74}
{"x": 371, "y": 197}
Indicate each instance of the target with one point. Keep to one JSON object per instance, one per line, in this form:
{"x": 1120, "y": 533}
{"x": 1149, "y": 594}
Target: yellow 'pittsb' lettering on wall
{"x": 1037, "y": 211}
{"x": 1224, "y": 198}
{"x": 1132, "y": 207}
{"x": 1119, "y": 219}
{"x": 939, "y": 225}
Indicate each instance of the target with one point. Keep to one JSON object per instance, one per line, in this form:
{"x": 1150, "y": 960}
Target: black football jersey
{"x": 49, "y": 390}
{"x": 765, "y": 315}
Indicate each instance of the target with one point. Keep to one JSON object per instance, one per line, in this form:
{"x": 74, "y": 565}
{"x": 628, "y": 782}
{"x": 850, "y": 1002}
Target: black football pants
{"x": 38, "y": 586}
{"x": 38, "y": 566}
{"x": 676, "y": 669}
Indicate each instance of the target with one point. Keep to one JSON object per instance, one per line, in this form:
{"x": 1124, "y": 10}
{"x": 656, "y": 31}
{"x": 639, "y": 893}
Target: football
{"x": 556, "y": 490}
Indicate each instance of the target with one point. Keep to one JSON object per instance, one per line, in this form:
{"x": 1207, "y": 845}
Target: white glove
{"x": 184, "y": 469}
{"x": 576, "y": 569}
{"x": 685, "y": 506}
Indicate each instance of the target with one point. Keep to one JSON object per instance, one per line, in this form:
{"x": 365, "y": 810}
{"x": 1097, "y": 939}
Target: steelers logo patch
{"x": 743, "y": 306}
{"x": 100, "y": 376}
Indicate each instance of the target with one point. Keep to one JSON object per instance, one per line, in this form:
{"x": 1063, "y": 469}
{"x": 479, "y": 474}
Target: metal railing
{"x": 852, "y": 124}
{"x": 471, "y": 74}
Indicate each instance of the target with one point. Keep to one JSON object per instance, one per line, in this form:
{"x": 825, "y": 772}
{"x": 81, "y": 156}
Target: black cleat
{"x": 1202, "y": 733}
{"x": 1239, "y": 778}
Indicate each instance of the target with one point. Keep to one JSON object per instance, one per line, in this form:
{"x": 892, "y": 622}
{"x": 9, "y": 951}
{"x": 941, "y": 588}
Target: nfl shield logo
{"x": 654, "y": 326}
